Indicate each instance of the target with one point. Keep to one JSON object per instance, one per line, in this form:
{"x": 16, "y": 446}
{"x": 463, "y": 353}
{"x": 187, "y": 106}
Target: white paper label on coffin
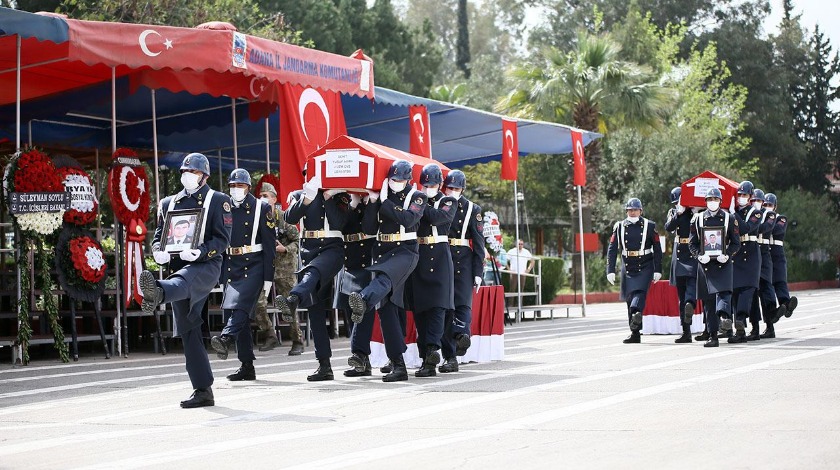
{"x": 369, "y": 162}
{"x": 703, "y": 185}
{"x": 342, "y": 163}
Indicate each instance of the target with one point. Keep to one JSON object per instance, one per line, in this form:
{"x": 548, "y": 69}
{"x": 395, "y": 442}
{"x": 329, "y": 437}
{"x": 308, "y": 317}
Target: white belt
{"x": 357, "y": 237}
{"x": 322, "y": 234}
{"x": 431, "y": 240}
{"x": 458, "y": 242}
{"x": 636, "y": 253}
{"x": 763, "y": 241}
{"x": 749, "y": 238}
{"x": 397, "y": 237}
{"x": 244, "y": 250}
{"x": 679, "y": 240}
{"x": 779, "y": 242}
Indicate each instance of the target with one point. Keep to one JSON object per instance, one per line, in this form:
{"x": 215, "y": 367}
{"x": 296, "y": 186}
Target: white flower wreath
{"x": 44, "y": 223}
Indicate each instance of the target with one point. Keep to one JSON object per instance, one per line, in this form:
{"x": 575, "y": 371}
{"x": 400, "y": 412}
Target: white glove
{"x": 611, "y": 278}
{"x": 161, "y": 257}
{"x": 722, "y": 259}
{"x": 267, "y": 287}
{"x": 190, "y": 255}
{"x": 657, "y": 277}
{"x": 311, "y": 187}
{"x": 383, "y": 193}
{"x": 680, "y": 209}
{"x": 703, "y": 259}
{"x": 373, "y": 195}
{"x": 330, "y": 193}
{"x": 355, "y": 199}
{"x": 477, "y": 281}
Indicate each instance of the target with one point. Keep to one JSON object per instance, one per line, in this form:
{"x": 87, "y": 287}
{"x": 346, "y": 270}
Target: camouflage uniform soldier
{"x": 285, "y": 265}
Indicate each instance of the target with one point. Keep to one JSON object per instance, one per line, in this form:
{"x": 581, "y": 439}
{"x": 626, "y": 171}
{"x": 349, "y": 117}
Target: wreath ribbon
{"x": 135, "y": 236}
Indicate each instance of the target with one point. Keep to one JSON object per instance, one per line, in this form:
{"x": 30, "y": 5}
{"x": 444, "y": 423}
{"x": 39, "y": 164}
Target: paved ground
{"x": 568, "y": 395}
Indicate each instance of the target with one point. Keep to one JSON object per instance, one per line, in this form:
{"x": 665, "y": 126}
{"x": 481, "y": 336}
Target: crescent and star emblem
{"x": 509, "y": 136}
{"x": 132, "y": 206}
{"x": 310, "y": 95}
{"x": 419, "y": 119}
{"x": 255, "y": 93}
{"x": 145, "y": 47}
{"x": 579, "y": 151}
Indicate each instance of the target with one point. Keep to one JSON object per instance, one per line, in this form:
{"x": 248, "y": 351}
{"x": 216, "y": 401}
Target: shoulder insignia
{"x": 771, "y": 216}
{"x": 448, "y": 203}
{"x": 269, "y": 216}
{"x": 398, "y": 208}
{"x": 419, "y": 200}
{"x": 478, "y": 217}
{"x": 781, "y": 221}
{"x": 211, "y": 253}
{"x": 736, "y": 222}
{"x": 226, "y": 206}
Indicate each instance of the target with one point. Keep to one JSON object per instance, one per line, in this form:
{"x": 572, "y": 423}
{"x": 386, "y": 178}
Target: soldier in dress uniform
{"x": 359, "y": 234}
{"x": 324, "y": 213}
{"x": 399, "y": 207}
{"x": 714, "y": 278}
{"x": 247, "y": 272}
{"x": 683, "y": 265}
{"x": 466, "y": 243}
{"x": 765, "y": 297}
{"x": 196, "y": 271}
{"x": 432, "y": 282}
{"x": 286, "y": 260}
{"x": 777, "y": 253}
{"x": 746, "y": 264}
{"x": 641, "y": 262}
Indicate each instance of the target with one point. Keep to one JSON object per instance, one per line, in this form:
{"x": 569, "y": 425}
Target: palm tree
{"x": 590, "y": 88}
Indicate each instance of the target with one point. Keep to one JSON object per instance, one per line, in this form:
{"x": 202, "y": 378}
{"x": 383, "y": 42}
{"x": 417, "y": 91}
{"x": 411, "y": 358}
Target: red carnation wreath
{"x": 81, "y": 212}
{"x": 129, "y": 189}
{"x": 36, "y": 173}
{"x": 81, "y": 264}
{"x": 88, "y": 259}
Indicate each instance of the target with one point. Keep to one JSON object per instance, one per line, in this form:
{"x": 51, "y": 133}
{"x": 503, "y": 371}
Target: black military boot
{"x": 769, "y": 332}
{"x": 287, "y": 306}
{"x": 635, "y": 337}
{"x": 754, "y": 332}
{"x": 712, "y": 341}
{"x": 781, "y": 311}
{"x": 152, "y": 293}
{"x": 221, "y": 344}
{"x": 399, "y": 373}
{"x": 704, "y": 336}
{"x": 791, "y": 306}
{"x": 686, "y": 336}
{"x": 387, "y": 368}
{"x": 636, "y": 321}
{"x": 740, "y": 335}
{"x": 725, "y": 328}
{"x": 245, "y": 372}
{"x": 688, "y": 314}
{"x": 429, "y": 364}
{"x": 360, "y": 366}
{"x": 449, "y": 365}
{"x": 200, "y": 397}
{"x": 462, "y": 343}
{"x": 324, "y": 371}
{"x": 358, "y": 307}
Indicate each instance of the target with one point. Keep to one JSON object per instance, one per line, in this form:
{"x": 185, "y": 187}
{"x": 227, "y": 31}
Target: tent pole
{"x": 118, "y": 258}
{"x": 233, "y": 115}
{"x": 155, "y": 147}
{"x": 17, "y": 97}
{"x": 30, "y": 132}
{"x": 267, "y": 148}
{"x": 221, "y": 174}
{"x": 582, "y": 262}
{"x": 518, "y": 256}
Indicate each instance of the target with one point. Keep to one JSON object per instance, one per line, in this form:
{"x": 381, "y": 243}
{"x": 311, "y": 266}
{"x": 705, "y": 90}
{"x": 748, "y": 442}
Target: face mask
{"x": 238, "y": 194}
{"x": 265, "y": 200}
{"x": 770, "y": 208}
{"x": 396, "y": 186}
{"x": 757, "y": 204}
{"x": 456, "y": 193}
{"x": 743, "y": 201}
{"x": 632, "y": 220}
{"x": 190, "y": 181}
{"x": 431, "y": 192}
{"x": 713, "y": 205}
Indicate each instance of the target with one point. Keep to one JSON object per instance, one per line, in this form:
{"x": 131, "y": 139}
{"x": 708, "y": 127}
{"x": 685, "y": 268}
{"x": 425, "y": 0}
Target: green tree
{"x": 463, "y": 48}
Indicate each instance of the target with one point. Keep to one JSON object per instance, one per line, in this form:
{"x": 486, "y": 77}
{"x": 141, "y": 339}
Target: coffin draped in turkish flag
{"x": 694, "y": 189}
{"x": 356, "y": 164}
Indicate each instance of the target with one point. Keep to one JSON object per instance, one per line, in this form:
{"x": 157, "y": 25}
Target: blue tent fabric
{"x": 27, "y": 25}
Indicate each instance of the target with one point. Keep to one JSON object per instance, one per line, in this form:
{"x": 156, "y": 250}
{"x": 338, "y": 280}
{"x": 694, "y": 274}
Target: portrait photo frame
{"x": 181, "y": 230}
{"x": 712, "y": 241}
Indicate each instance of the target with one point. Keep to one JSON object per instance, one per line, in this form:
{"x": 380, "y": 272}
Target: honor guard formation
{"x": 730, "y": 260}
{"x": 403, "y": 247}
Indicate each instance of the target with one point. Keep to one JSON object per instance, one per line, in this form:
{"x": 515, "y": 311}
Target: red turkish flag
{"x": 309, "y": 118}
{"x": 420, "y": 134}
{"x": 510, "y": 150}
{"x": 580, "y": 161}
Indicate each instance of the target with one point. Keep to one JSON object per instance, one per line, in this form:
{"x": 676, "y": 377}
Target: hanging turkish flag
{"x": 580, "y": 162}
{"x": 309, "y": 118}
{"x": 420, "y": 142}
{"x": 510, "y": 150}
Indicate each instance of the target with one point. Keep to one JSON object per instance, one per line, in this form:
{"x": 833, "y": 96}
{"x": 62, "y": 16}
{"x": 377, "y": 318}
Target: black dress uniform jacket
{"x": 324, "y": 252}
{"x": 432, "y": 283}
{"x": 747, "y": 262}
{"x": 777, "y": 249}
{"x": 641, "y": 254}
{"x": 714, "y": 277}
{"x": 359, "y": 238}
{"x": 397, "y": 259}
{"x": 765, "y": 231}
{"x": 468, "y": 261}
{"x": 682, "y": 263}
{"x": 243, "y": 274}
{"x": 203, "y": 274}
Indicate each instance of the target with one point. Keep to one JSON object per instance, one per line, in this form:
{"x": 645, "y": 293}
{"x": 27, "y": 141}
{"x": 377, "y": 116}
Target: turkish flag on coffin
{"x": 309, "y": 119}
{"x": 355, "y": 164}
{"x": 420, "y": 135}
{"x": 510, "y": 150}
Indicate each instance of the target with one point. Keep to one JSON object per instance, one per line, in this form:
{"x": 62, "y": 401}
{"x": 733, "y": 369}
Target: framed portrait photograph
{"x": 712, "y": 241}
{"x": 181, "y": 230}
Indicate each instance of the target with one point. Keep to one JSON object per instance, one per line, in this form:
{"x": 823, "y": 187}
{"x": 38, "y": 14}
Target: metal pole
{"x": 118, "y": 258}
{"x": 155, "y": 147}
{"x": 30, "y": 133}
{"x": 267, "y": 149}
{"x": 235, "y": 145}
{"x": 221, "y": 174}
{"x": 17, "y": 97}
{"x": 582, "y": 262}
{"x": 518, "y": 257}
